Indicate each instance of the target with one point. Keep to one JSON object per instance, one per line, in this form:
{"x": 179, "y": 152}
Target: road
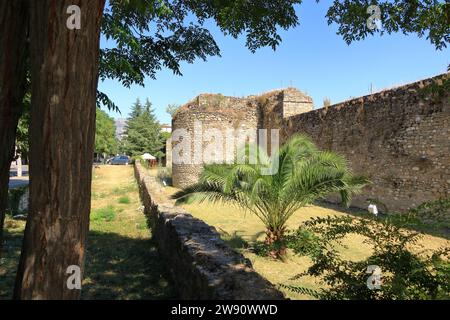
{"x": 13, "y": 171}
{"x": 14, "y": 181}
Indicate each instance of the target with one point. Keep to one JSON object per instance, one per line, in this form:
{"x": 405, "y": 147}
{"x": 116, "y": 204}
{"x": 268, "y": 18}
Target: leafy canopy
{"x": 172, "y": 108}
{"x": 430, "y": 18}
{"x": 143, "y": 132}
{"x": 105, "y": 133}
{"x": 145, "y": 36}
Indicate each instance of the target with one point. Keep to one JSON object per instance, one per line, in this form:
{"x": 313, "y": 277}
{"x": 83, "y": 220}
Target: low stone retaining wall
{"x": 201, "y": 264}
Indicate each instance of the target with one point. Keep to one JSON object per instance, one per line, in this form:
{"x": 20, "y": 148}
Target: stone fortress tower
{"x": 399, "y": 137}
{"x": 229, "y": 117}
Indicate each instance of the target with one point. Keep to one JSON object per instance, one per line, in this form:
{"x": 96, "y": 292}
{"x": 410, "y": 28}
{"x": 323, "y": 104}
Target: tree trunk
{"x": 274, "y": 240}
{"x": 13, "y": 44}
{"x": 64, "y": 81}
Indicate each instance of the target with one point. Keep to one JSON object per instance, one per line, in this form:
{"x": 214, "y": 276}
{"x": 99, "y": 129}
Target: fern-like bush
{"x": 404, "y": 273}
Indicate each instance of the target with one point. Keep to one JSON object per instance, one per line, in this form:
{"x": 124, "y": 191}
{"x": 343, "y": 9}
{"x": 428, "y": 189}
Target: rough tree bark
{"x": 13, "y": 44}
{"x": 64, "y": 69}
{"x": 275, "y": 238}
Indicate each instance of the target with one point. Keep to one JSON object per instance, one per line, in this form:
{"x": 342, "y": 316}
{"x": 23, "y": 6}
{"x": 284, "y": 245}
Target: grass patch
{"x": 120, "y": 191}
{"x": 122, "y": 267}
{"x": 245, "y": 233}
{"x": 124, "y": 200}
{"x": 95, "y": 196}
{"x": 9, "y": 261}
{"x": 121, "y": 260}
{"x": 104, "y": 214}
{"x": 234, "y": 240}
{"x": 141, "y": 225}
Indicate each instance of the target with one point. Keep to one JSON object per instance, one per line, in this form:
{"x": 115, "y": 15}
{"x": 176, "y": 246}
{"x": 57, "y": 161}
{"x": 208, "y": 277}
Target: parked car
{"x": 124, "y": 160}
{"x": 108, "y": 161}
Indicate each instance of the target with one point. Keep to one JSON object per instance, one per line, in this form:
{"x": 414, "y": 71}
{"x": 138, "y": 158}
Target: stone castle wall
{"x": 399, "y": 138}
{"x": 242, "y": 116}
{"x": 208, "y": 112}
{"x": 295, "y": 102}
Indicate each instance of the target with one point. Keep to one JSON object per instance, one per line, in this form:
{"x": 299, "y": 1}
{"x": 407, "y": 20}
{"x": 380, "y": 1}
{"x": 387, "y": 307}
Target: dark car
{"x": 125, "y": 160}
{"x": 108, "y": 161}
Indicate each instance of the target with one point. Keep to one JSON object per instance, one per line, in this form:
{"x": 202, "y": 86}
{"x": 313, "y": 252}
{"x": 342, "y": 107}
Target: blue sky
{"x": 311, "y": 58}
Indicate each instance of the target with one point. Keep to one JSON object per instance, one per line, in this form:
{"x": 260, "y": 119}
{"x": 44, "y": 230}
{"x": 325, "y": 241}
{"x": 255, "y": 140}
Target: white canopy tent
{"x": 148, "y": 156}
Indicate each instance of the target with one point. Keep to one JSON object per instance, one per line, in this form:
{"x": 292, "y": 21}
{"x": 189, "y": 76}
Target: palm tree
{"x": 300, "y": 175}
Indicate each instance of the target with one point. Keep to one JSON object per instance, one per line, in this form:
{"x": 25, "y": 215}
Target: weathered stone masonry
{"x": 201, "y": 264}
{"x": 225, "y": 113}
{"x": 400, "y": 137}
{"x": 212, "y": 111}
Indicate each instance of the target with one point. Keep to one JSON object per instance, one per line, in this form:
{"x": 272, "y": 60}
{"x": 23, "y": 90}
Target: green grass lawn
{"x": 240, "y": 230}
{"x": 13, "y": 235}
{"x": 121, "y": 260}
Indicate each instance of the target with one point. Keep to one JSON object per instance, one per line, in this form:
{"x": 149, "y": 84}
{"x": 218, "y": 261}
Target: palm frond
{"x": 304, "y": 174}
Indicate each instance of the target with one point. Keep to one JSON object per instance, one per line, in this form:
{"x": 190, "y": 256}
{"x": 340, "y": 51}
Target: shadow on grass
{"x": 439, "y": 230}
{"x": 9, "y": 261}
{"x": 238, "y": 243}
{"x": 119, "y": 268}
{"x": 234, "y": 240}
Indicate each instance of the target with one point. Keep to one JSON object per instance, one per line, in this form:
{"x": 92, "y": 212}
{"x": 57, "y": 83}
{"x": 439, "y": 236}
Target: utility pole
{"x": 18, "y": 163}
{"x": 19, "y": 166}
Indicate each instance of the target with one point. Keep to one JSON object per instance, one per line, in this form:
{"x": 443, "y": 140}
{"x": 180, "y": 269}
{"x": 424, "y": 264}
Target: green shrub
{"x": 433, "y": 212}
{"x": 123, "y": 190}
{"x": 404, "y": 273}
{"x": 124, "y": 200}
{"x": 432, "y": 216}
{"x": 104, "y": 214}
